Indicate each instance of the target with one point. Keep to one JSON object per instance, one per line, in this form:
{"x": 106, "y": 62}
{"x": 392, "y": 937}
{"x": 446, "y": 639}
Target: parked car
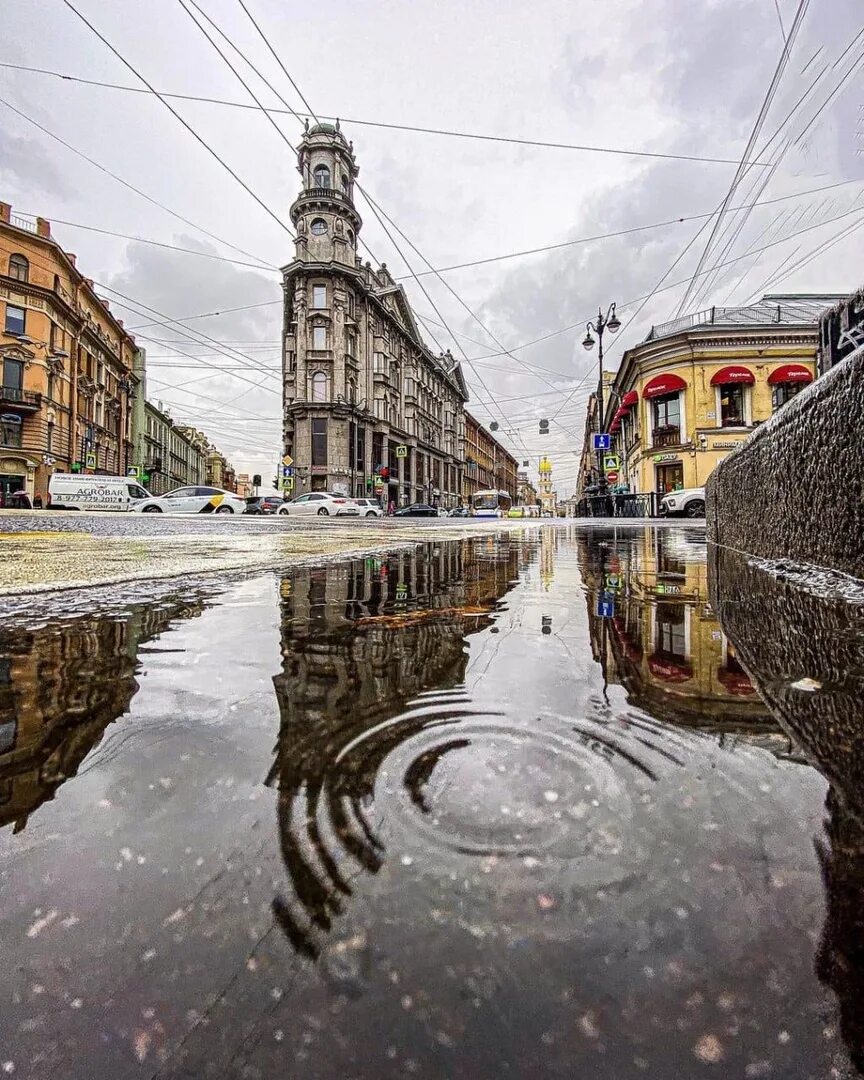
{"x": 460, "y": 512}
{"x": 322, "y": 503}
{"x": 416, "y": 510}
{"x": 192, "y": 500}
{"x": 263, "y": 504}
{"x": 369, "y": 508}
{"x": 689, "y": 502}
{"x": 84, "y": 491}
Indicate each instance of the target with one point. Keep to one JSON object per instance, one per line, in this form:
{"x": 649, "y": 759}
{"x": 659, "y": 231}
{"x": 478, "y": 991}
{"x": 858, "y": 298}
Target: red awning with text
{"x": 733, "y": 374}
{"x": 787, "y": 373}
{"x": 663, "y": 384}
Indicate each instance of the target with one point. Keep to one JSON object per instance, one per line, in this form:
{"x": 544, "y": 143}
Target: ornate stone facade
{"x": 368, "y": 408}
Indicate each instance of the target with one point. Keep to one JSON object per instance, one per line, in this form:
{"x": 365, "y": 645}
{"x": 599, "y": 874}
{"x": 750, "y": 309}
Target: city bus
{"x": 490, "y": 504}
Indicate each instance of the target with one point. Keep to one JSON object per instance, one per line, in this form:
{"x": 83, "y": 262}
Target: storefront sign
{"x": 670, "y": 590}
{"x": 666, "y": 457}
{"x": 319, "y": 470}
{"x": 724, "y": 445}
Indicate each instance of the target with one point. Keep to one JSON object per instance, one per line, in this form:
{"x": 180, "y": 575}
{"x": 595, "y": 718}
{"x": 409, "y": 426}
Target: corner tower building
{"x": 369, "y": 410}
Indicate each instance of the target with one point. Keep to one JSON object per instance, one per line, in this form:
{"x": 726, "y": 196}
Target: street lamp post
{"x": 612, "y": 323}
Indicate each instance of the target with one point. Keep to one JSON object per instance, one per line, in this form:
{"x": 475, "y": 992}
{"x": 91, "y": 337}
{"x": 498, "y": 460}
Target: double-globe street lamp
{"x": 612, "y": 323}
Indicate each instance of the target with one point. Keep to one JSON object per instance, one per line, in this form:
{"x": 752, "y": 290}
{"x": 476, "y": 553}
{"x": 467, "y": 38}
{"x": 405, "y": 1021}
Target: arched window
{"x": 319, "y": 386}
{"x": 322, "y": 176}
{"x": 19, "y": 267}
{"x": 345, "y": 187}
{"x": 350, "y": 236}
{"x": 318, "y": 226}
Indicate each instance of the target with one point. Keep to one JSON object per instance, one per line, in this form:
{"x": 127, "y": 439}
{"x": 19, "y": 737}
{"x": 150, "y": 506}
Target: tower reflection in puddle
{"x": 374, "y": 653}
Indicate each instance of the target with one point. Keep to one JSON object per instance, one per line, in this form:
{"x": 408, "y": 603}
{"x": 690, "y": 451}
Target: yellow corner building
{"x": 696, "y": 387}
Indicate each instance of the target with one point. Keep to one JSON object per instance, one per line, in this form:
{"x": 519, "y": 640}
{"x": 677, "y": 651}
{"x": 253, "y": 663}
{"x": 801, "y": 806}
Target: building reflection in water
{"x": 654, "y": 631}
{"x": 362, "y": 642}
{"x": 61, "y": 685}
{"x": 801, "y": 638}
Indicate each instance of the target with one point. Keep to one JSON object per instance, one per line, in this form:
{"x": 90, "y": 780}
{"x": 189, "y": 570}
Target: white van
{"x": 74, "y": 491}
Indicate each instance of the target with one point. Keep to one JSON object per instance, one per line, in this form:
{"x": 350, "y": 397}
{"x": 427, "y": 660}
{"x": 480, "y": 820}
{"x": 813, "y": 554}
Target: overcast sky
{"x": 680, "y": 77}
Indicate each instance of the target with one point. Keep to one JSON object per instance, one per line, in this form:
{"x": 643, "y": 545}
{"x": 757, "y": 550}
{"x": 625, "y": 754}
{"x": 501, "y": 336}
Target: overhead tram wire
{"x": 505, "y": 139}
{"x": 765, "y": 178}
{"x": 155, "y": 243}
{"x": 203, "y": 142}
{"x": 754, "y": 134}
{"x": 131, "y": 187}
{"x": 226, "y": 350}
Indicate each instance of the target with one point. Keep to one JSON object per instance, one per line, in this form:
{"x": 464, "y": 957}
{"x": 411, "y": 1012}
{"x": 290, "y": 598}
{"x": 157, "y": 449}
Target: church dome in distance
{"x": 322, "y": 129}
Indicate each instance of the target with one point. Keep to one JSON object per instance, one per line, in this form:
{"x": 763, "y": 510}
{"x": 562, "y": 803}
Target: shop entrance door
{"x": 669, "y": 477}
{"x": 9, "y": 484}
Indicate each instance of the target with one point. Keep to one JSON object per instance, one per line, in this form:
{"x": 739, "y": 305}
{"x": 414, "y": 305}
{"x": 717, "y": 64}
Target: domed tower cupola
{"x": 323, "y": 213}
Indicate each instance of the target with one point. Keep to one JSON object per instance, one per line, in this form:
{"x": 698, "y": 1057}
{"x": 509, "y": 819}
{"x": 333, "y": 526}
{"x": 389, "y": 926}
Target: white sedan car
{"x": 369, "y": 508}
{"x": 322, "y": 503}
{"x": 192, "y": 500}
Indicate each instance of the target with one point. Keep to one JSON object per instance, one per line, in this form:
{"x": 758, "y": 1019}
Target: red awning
{"x": 620, "y": 414}
{"x": 790, "y": 373}
{"x": 615, "y": 427}
{"x": 629, "y": 399}
{"x": 663, "y": 384}
{"x": 733, "y": 374}
{"x": 670, "y": 670}
{"x": 736, "y": 682}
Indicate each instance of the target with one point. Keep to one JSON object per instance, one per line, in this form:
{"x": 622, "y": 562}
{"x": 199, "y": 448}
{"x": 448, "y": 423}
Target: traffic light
{"x": 276, "y": 482}
{"x": 256, "y": 480}
{"x": 369, "y": 484}
{"x": 544, "y": 427}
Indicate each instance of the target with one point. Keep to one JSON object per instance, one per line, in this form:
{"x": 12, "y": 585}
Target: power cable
{"x": 203, "y": 142}
{"x": 754, "y": 134}
{"x": 507, "y": 140}
{"x": 125, "y": 183}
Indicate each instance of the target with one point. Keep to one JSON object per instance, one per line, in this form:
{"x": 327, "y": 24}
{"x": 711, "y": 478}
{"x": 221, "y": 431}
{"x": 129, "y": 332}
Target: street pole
{"x": 603, "y": 322}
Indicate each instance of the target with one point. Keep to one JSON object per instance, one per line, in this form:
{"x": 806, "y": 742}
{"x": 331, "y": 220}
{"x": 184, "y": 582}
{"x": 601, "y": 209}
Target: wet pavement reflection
{"x": 526, "y": 805}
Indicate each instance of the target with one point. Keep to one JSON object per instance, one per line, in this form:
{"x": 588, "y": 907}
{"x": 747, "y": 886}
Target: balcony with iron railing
{"x": 23, "y": 400}
{"x": 325, "y": 193}
{"x": 668, "y": 435}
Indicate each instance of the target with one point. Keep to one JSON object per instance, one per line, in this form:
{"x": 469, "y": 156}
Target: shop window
{"x": 319, "y": 386}
{"x": 19, "y": 267}
{"x": 15, "y": 319}
{"x": 671, "y": 632}
{"x": 731, "y": 405}
{"x": 10, "y": 430}
{"x": 783, "y": 392}
{"x": 666, "y": 412}
{"x": 319, "y": 441}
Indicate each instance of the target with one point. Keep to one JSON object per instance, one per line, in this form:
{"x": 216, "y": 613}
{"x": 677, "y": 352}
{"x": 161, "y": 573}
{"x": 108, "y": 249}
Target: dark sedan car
{"x": 263, "y": 504}
{"x": 417, "y": 510}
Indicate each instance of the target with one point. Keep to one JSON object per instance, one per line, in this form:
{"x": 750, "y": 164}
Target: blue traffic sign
{"x": 287, "y": 470}
{"x": 605, "y": 607}
{"x": 602, "y": 441}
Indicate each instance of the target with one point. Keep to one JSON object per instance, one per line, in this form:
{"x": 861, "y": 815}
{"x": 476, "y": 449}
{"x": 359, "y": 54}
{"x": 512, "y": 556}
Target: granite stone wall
{"x": 795, "y": 488}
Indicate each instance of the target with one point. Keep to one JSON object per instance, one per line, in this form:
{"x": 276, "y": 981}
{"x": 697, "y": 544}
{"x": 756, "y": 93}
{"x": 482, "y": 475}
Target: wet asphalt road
{"x": 509, "y": 805}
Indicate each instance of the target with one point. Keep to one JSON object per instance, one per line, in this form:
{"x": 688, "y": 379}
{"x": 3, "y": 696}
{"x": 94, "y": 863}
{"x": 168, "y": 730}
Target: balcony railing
{"x": 666, "y": 436}
{"x": 22, "y": 223}
{"x": 325, "y": 193}
{"x": 24, "y": 399}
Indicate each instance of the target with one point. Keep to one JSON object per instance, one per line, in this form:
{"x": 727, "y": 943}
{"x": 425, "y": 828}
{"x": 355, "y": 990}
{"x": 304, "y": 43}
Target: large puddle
{"x": 509, "y": 806}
